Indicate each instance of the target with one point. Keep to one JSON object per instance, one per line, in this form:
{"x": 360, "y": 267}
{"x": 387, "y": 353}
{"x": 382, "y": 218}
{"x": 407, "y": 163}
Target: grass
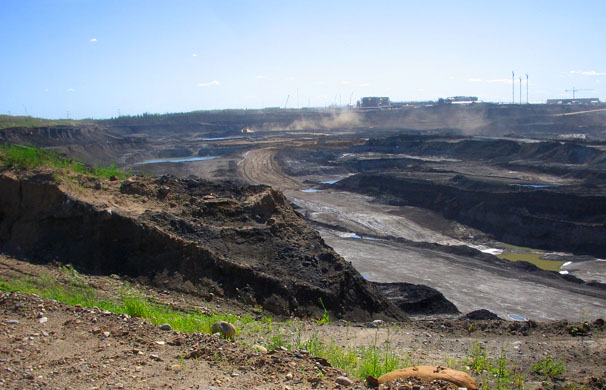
{"x": 26, "y": 157}
{"x": 8, "y": 121}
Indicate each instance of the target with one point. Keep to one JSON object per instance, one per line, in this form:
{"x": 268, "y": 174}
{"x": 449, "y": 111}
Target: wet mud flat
{"x": 386, "y": 247}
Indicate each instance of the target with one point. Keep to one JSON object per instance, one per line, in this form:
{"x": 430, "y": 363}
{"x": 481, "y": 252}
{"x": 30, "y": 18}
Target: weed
{"x": 377, "y": 361}
{"x": 478, "y": 361}
{"x": 549, "y": 367}
{"x": 325, "y": 319}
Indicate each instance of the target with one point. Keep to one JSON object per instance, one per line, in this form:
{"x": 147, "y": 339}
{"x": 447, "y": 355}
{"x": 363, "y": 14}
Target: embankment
{"x": 244, "y": 242}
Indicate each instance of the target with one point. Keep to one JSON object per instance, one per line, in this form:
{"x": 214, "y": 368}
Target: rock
{"x": 259, "y": 348}
{"x": 42, "y": 320}
{"x": 344, "y": 381}
{"x": 224, "y": 328}
{"x": 166, "y": 327}
{"x": 11, "y": 322}
{"x": 426, "y": 373}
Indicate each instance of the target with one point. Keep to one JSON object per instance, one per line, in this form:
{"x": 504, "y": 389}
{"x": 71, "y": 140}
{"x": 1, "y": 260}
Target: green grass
{"x": 549, "y": 368}
{"x": 8, "y": 121}
{"x": 26, "y": 157}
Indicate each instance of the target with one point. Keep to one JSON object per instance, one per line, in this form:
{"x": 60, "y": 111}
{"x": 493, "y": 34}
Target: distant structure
{"x": 577, "y": 101}
{"x": 458, "y": 100}
{"x": 374, "y": 102}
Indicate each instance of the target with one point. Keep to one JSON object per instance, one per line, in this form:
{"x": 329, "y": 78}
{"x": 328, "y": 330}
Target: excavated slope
{"x": 244, "y": 242}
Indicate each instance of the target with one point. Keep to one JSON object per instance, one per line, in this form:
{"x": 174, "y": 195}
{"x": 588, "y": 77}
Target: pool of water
{"x": 310, "y": 190}
{"x": 175, "y": 160}
{"x": 516, "y": 317}
{"x": 536, "y": 185}
{"x": 329, "y": 181}
{"x": 220, "y": 138}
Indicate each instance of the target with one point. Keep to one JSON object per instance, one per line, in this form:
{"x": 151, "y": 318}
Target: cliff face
{"x": 245, "y": 242}
{"x": 538, "y": 218}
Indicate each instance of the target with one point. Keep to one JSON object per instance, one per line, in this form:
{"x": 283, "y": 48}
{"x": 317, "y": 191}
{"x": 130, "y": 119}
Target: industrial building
{"x": 576, "y": 101}
{"x": 374, "y": 102}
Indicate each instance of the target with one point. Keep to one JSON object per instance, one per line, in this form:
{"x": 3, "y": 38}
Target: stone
{"x": 166, "y": 327}
{"x": 11, "y": 322}
{"x": 344, "y": 381}
{"x": 259, "y": 348}
{"x": 42, "y": 320}
{"x": 224, "y": 328}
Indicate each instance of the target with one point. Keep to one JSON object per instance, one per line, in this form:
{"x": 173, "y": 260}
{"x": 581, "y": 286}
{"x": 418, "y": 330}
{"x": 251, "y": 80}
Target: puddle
{"x": 310, "y": 190}
{"x": 220, "y": 138}
{"x": 349, "y": 235}
{"x": 516, "y": 317}
{"x": 486, "y": 249}
{"x": 367, "y": 277}
{"x": 175, "y": 160}
{"x": 535, "y": 185}
{"x": 330, "y": 181}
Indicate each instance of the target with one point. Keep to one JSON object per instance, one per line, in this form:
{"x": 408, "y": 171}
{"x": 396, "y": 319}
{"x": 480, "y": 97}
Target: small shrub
{"x": 549, "y": 367}
{"x": 325, "y": 319}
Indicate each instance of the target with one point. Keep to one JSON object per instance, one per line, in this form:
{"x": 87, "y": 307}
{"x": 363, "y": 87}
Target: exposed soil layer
{"x": 530, "y": 217}
{"x": 242, "y": 241}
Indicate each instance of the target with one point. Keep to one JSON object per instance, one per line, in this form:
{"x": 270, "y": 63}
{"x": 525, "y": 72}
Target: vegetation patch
{"x": 27, "y": 157}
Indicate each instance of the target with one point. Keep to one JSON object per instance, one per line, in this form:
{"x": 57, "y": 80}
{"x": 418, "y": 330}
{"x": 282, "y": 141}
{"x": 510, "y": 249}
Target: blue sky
{"x": 98, "y": 58}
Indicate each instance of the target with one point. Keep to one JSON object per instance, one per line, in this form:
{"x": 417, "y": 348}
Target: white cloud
{"x": 501, "y": 81}
{"x": 345, "y": 82}
{"x": 260, "y": 76}
{"x": 420, "y": 89}
{"x": 71, "y": 90}
{"x": 493, "y": 81}
{"x": 45, "y": 89}
{"x": 194, "y": 55}
{"x": 364, "y": 85}
{"x": 93, "y": 40}
{"x": 588, "y": 73}
{"x": 289, "y": 78}
{"x": 319, "y": 83}
{"x": 214, "y": 82}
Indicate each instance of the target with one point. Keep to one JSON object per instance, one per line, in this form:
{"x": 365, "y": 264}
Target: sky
{"x": 104, "y": 58}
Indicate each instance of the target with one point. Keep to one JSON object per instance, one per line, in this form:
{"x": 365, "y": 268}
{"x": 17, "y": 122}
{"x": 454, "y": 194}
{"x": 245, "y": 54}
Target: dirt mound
{"x": 481, "y": 315}
{"x": 417, "y": 299}
{"x": 244, "y": 242}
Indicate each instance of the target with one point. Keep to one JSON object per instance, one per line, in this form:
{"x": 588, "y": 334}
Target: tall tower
{"x": 526, "y": 88}
{"x": 513, "y": 87}
{"x": 520, "y": 89}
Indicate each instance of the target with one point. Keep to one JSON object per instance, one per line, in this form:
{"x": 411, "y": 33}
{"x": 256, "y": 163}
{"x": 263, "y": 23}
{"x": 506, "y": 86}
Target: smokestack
{"x": 526, "y": 88}
{"x": 513, "y": 87}
{"x": 520, "y": 89}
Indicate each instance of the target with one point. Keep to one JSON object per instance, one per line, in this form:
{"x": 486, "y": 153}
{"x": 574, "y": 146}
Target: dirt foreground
{"x": 48, "y": 344}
